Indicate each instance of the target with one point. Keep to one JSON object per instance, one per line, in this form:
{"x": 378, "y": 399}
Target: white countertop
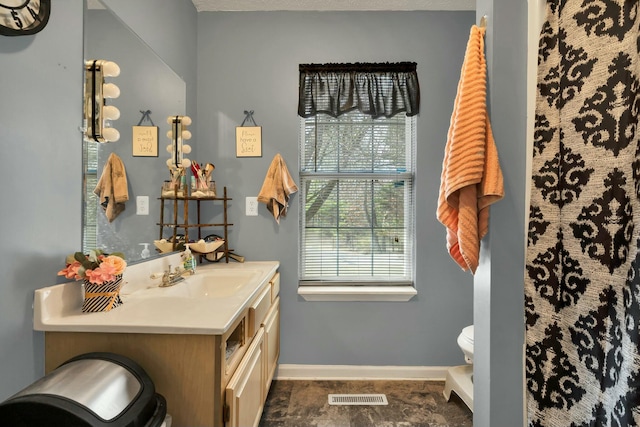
{"x": 147, "y": 308}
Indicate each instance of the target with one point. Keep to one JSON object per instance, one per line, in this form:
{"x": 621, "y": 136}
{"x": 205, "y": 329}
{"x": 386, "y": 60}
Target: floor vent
{"x": 358, "y": 399}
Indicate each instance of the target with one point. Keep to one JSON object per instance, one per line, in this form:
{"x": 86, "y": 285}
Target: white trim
{"x": 357, "y": 293}
{"x": 251, "y": 5}
{"x": 357, "y": 372}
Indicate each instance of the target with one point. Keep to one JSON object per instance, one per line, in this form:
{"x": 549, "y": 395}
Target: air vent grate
{"x": 358, "y": 399}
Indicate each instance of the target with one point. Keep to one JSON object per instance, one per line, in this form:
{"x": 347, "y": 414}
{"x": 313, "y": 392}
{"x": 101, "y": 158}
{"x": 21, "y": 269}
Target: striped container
{"x": 103, "y": 296}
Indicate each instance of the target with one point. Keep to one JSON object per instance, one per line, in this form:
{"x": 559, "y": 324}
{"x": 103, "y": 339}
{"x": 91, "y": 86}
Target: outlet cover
{"x": 142, "y": 205}
{"x": 252, "y": 206}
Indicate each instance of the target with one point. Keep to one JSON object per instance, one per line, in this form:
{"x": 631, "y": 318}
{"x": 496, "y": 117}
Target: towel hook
{"x": 483, "y": 21}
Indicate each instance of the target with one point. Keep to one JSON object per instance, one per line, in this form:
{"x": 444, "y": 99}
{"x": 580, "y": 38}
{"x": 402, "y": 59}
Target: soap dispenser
{"x": 145, "y": 252}
{"x": 188, "y": 260}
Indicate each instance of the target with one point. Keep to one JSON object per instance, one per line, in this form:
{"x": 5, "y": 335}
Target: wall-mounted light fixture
{"x": 98, "y": 115}
{"x": 178, "y": 134}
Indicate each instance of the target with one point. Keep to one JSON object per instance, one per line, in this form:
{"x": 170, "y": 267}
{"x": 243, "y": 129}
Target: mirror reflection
{"x": 96, "y": 92}
{"x": 150, "y": 91}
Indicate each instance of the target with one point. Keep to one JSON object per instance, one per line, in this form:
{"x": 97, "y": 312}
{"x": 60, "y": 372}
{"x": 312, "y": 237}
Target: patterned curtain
{"x": 582, "y": 280}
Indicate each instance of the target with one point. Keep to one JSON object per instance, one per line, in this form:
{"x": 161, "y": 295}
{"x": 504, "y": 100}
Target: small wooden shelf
{"x": 174, "y": 224}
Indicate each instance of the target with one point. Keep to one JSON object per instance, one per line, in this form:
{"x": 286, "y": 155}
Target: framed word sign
{"x": 145, "y": 141}
{"x": 249, "y": 141}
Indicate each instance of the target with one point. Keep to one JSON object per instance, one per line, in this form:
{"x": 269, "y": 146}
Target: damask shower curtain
{"x": 582, "y": 279}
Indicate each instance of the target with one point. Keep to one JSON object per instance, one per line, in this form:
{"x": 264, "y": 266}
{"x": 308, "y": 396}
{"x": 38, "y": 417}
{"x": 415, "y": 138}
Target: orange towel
{"x": 277, "y": 188}
{"x": 471, "y": 178}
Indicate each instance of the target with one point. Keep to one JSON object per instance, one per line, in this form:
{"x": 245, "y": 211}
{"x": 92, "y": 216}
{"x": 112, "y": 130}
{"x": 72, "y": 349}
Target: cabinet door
{"x": 272, "y": 343}
{"x": 244, "y": 394}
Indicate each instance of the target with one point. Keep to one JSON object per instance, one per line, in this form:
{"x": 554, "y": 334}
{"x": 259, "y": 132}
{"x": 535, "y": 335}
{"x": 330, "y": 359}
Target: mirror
{"x": 146, "y": 83}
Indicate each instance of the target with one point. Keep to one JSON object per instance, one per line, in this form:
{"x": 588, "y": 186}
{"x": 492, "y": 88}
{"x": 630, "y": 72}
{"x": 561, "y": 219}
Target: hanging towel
{"x": 471, "y": 178}
{"x": 112, "y": 187}
{"x": 277, "y": 188}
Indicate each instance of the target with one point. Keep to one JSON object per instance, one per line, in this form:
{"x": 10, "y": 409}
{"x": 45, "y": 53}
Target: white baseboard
{"x": 351, "y": 372}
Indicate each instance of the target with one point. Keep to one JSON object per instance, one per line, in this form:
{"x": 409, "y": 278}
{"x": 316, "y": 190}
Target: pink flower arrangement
{"x": 97, "y": 267}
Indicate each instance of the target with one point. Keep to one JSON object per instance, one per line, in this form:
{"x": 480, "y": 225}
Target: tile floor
{"x": 302, "y": 403}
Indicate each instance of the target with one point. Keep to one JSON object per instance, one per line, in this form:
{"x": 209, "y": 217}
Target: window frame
{"x": 376, "y": 289}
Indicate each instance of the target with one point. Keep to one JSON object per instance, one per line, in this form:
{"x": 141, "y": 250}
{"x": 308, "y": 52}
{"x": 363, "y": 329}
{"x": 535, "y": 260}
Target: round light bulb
{"x": 186, "y": 149}
{"x": 186, "y": 134}
{"x": 170, "y": 134}
{"x": 109, "y": 90}
{"x": 186, "y": 120}
{"x": 109, "y": 112}
{"x": 170, "y": 148}
{"x": 111, "y": 134}
{"x": 110, "y": 69}
{"x": 170, "y": 119}
{"x": 186, "y": 163}
{"x": 170, "y": 163}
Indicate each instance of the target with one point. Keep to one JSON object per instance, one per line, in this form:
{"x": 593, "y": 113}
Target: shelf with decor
{"x": 215, "y": 250}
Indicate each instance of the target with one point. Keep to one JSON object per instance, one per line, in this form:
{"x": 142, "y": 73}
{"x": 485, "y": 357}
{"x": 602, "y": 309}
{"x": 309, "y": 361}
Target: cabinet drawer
{"x": 258, "y": 310}
{"x": 275, "y": 286}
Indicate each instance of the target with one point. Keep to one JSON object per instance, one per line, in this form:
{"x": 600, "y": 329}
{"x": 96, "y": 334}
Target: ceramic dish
{"x": 163, "y": 246}
{"x": 205, "y": 247}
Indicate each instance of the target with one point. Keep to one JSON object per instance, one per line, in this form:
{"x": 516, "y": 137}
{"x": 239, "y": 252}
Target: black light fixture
{"x": 178, "y": 134}
{"x": 98, "y": 115}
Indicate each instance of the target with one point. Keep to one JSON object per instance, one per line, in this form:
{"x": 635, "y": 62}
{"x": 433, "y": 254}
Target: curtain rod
{"x": 360, "y": 66}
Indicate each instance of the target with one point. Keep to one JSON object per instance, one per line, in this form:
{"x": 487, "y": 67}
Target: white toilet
{"x": 460, "y": 378}
{"x": 465, "y": 341}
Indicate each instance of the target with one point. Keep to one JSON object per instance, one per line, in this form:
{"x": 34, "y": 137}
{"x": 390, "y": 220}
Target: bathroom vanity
{"x": 210, "y": 344}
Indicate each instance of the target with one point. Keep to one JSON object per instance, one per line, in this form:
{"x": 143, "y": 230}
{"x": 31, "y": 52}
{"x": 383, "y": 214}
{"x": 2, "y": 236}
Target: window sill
{"x": 357, "y": 293}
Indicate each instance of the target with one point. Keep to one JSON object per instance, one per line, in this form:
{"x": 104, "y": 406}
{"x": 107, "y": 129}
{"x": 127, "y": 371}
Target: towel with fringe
{"x": 471, "y": 177}
{"x": 277, "y": 188}
{"x": 112, "y": 187}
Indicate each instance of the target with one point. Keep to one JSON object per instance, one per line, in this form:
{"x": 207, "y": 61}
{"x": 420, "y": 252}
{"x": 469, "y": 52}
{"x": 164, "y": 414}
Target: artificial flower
{"x": 96, "y": 267}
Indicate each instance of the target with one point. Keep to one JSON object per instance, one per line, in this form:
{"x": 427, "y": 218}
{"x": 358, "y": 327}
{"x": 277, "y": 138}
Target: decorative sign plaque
{"x": 145, "y": 138}
{"x": 249, "y": 138}
{"x": 145, "y": 141}
{"x": 249, "y": 141}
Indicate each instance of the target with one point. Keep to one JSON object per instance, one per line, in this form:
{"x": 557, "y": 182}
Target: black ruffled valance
{"x": 376, "y": 89}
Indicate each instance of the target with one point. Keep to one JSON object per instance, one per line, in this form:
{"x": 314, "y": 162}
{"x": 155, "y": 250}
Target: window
{"x": 90, "y": 199}
{"x": 356, "y": 193}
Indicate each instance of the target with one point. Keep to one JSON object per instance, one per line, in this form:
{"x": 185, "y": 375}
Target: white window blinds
{"x": 357, "y": 221}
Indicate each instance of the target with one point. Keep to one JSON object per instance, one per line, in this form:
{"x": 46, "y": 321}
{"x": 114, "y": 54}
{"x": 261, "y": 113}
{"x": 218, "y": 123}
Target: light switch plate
{"x": 142, "y": 205}
{"x": 252, "y": 206}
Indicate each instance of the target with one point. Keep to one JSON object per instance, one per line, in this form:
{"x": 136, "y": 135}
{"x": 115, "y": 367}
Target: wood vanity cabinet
{"x": 247, "y": 390}
{"x": 207, "y": 380}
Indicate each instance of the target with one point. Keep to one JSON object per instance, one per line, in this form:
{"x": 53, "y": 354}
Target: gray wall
{"x": 249, "y": 61}
{"x": 498, "y": 284}
{"x": 169, "y": 28}
{"x": 40, "y": 116}
{"x": 41, "y": 111}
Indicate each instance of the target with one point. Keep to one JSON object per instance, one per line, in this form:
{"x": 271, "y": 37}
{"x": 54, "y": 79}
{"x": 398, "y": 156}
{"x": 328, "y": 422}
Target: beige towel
{"x": 471, "y": 176}
{"x": 112, "y": 187}
{"x": 277, "y": 187}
